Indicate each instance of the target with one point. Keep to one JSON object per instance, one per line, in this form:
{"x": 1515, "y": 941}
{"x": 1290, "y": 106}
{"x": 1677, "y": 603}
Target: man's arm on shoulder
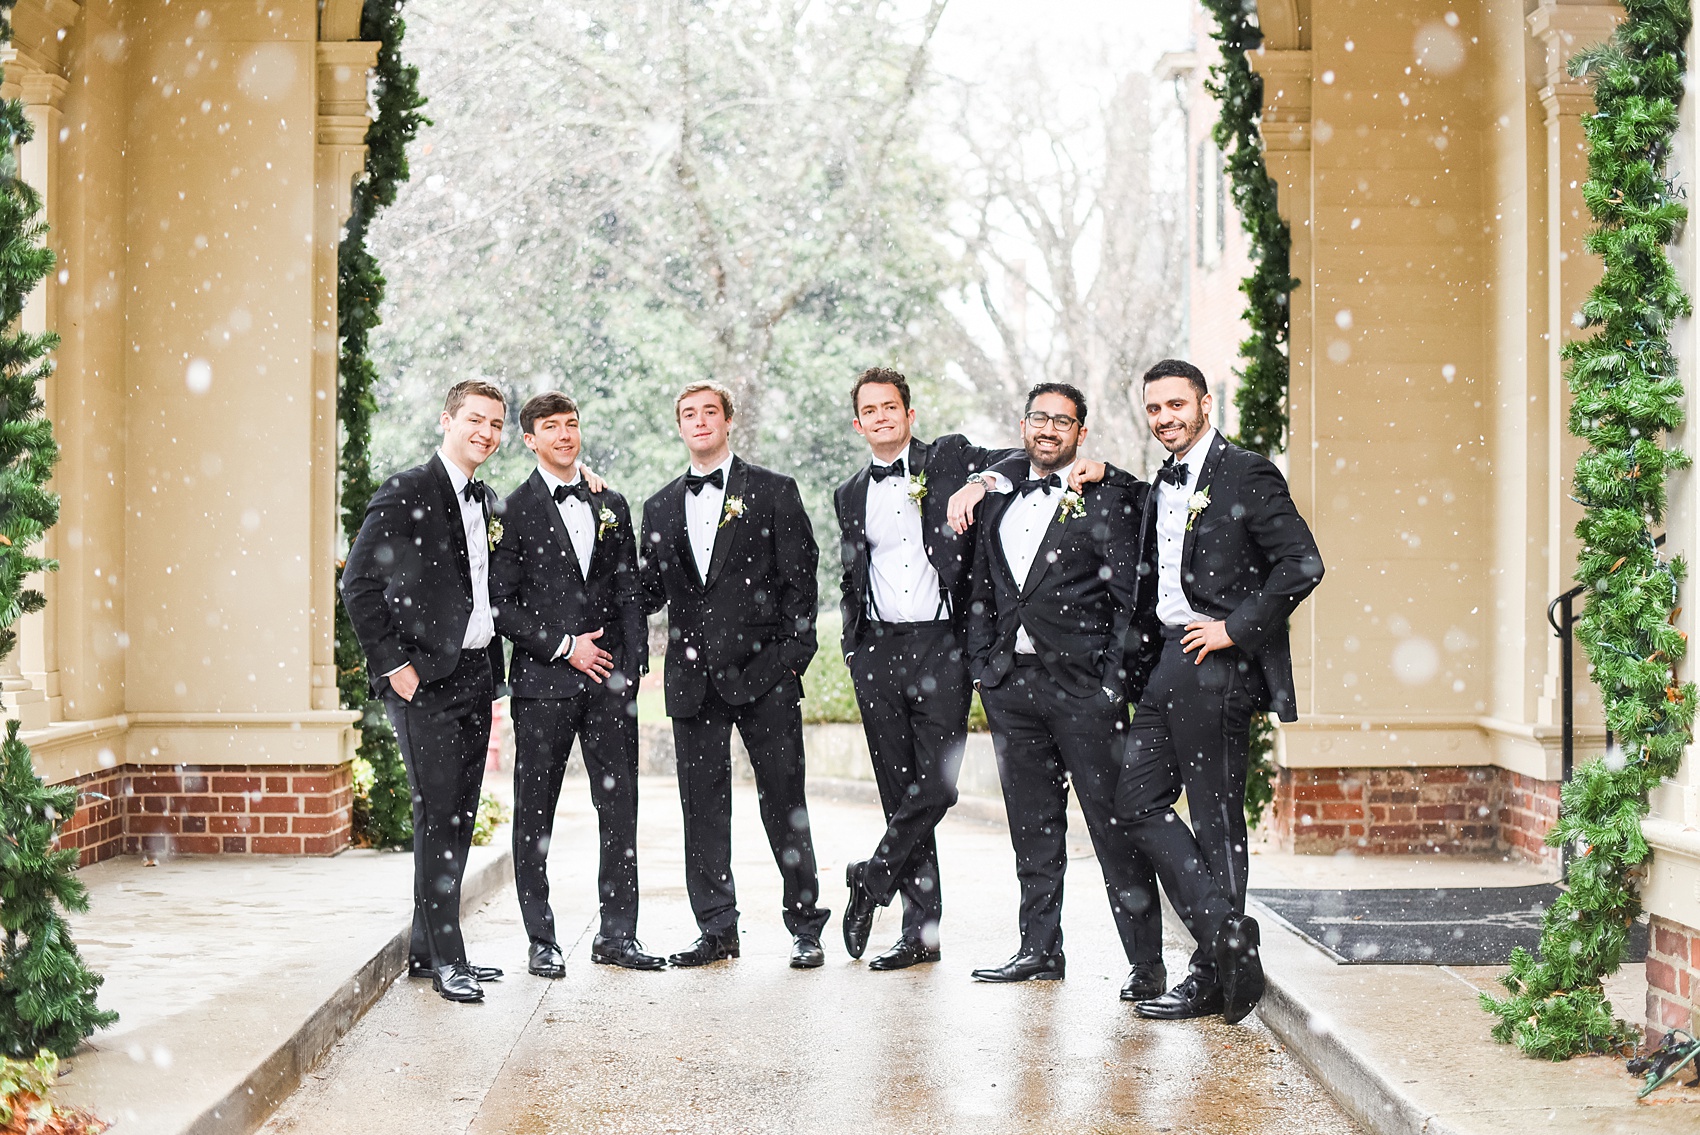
{"x": 378, "y": 550}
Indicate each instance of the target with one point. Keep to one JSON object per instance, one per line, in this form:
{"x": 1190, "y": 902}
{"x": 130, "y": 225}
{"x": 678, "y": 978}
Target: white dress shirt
{"x": 577, "y": 516}
{"x": 481, "y": 627}
{"x": 1172, "y": 607}
{"x": 904, "y": 585}
{"x": 702, "y": 516}
{"x": 1022, "y": 529}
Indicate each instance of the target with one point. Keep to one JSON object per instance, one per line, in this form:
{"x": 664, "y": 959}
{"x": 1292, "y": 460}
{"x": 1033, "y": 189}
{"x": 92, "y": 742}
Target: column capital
{"x": 1565, "y": 28}
{"x": 1286, "y": 97}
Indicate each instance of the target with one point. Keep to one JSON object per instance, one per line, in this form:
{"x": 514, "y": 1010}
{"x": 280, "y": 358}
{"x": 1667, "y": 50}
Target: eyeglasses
{"x": 1038, "y": 419}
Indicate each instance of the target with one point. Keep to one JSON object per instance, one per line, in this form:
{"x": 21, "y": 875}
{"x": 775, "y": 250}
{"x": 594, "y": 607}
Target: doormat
{"x": 1453, "y": 926}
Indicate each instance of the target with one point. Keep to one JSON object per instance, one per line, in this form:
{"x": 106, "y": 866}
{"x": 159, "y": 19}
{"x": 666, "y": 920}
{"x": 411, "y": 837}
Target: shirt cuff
{"x": 565, "y": 648}
{"x": 996, "y": 482}
{"x": 397, "y": 670}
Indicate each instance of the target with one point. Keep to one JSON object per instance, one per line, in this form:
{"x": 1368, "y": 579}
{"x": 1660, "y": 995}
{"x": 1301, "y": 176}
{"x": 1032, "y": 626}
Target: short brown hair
{"x": 691, "y": 388}
{"x": 460, "y": 391}
{"x": 544, "y": 405}
{"x": 882, "y": 377}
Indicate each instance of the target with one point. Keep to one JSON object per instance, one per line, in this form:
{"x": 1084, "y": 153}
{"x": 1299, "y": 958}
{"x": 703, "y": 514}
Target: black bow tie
{"x": 577, "y": 489}
{"x": 476, "y": 491}
{"x": 694, "y": 483}
{"x": 881, "y": 472}
{"x": 1175, "y": 474}
{"x": 1034, "y": 484}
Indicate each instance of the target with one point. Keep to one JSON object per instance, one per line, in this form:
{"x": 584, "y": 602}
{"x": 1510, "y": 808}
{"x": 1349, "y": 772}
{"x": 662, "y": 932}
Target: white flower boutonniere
{"x": 1196, "y": 504}
{"x": 606, "y": 522}
{"x": 494, "y": 529}
{"x": 733, "y": 510}
{"x": 918, "y": 487}
{"x": 1072, "y": 505}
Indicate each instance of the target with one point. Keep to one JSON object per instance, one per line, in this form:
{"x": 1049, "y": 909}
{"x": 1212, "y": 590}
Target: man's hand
{"x": 1205, "y": 637}
{"x": 962, "y": 504}
{"x": 589, "y": 658}
{"x": 1085, "y": 473}
{"x": 405, "y": 682}
{"x": 591, "y": 481}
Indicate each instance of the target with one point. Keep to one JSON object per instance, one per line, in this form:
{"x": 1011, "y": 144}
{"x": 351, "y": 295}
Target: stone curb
{"x": 251, "y": 1102}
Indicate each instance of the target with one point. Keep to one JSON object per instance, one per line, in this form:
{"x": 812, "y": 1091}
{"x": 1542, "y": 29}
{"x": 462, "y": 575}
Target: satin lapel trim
{"x": 919, "y": 451}
{"x": 856, "y": 500}
{"x": 557, "y": 525}
{"x": 991, "y": 515}
{"x": 1052, "y": 540}
{"x": 725, "y": 531}
{"x": 1206, "y": 476}
{"x": 682, "y": 554}
{"x": 447, "y": 488}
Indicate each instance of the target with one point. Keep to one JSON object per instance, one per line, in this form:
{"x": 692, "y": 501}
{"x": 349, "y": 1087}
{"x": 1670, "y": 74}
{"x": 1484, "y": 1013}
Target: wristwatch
{"x": 976, "y": 479}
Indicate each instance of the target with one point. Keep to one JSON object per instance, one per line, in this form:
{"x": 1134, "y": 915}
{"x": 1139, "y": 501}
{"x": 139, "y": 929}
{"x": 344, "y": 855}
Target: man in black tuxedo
{"x": 564, "y": 585}
{"x": 416, "y": 584}
{"x": 728, "y": 549}
{"x": 1228, "y": 559}
{"x": 1049, "y": 628}
{"x": 905, "y": 605}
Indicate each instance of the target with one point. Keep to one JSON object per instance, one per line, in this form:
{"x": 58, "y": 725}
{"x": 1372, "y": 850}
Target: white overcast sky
{"x": 1079, "y": 36}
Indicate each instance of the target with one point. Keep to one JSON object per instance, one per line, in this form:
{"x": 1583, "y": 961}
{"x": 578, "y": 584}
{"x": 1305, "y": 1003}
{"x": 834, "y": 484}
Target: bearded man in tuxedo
{"x": 727, "y": 548}
{"x": 564, "y": 584}
{"x": 416, "y": 585}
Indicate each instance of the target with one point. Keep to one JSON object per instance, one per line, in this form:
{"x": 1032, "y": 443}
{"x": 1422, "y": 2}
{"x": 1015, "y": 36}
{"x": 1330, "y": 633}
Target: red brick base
{"x": 1408, "y": 811}
{"x": 204, "y": 809}
{"x": 1673, "y": 976}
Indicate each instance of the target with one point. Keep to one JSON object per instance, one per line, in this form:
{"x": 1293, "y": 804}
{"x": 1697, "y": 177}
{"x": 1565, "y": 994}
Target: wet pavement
{"x": 752, "y": 1046}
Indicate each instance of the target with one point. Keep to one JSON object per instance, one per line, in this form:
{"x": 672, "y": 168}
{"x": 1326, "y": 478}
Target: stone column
{"x": 343, "y": 71}
{"x": 1560, "y": 31}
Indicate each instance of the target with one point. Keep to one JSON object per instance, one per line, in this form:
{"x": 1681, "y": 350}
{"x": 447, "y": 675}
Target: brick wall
{"x": 1408, "y": 811}
{"x": 1673, "y": 976}
{"x": 211, "y": 809}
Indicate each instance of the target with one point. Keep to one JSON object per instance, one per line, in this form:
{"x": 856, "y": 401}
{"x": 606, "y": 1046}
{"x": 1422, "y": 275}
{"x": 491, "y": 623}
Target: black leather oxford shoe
{"x": 707, "y": 949}
{"x": 545, "y": 960}
{"x": 1145, "y": 981}
{"x": 623, "y": 952}
{"x": 1239, "y": 964}
{"x": 1191, "y": 998}
{"x": 457, "y": 983}
{"x": 417, "y": 968}
{"x": 1025, "y": 967}
{"x": 908, "y": 952}
{"x": 806, "y": 952}
{"x": 859, "y": 911}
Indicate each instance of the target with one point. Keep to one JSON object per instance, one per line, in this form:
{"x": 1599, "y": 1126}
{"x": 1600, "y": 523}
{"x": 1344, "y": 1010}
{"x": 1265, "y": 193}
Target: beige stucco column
{"x": 343, "y": 70}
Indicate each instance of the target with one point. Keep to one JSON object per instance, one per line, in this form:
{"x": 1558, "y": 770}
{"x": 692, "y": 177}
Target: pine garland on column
{"x": 1262, "y": 395}
{"x": 387, "y": 818}
{"x": 1626, "y": 395}
{"x": 47, "y": 994}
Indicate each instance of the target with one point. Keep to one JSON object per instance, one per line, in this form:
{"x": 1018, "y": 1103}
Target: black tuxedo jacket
{"x": 540, "y": 595}
{"x": 1079, "y": 600}
{"x": 751, "y": 625}
{"x": 1249, "y": 560}
{"x": 407, "y": 582}
{"x": 946, "y": 463}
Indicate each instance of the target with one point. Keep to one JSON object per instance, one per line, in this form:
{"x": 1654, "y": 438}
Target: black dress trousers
{"x": 604, "y": 721}
{"x": 1047, "y": 739}
{"x": 912, "y": 688}
{"x": 444, "y": 735}
{"x": 772, "y": 730}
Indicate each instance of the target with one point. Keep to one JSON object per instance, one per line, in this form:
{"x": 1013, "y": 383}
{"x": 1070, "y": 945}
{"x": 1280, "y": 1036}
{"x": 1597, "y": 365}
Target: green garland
{"x": 1625, "y": 395}
{"x": 385, "y": 817}
{"x": 1262, "y": 395}
{"x": 47, "y": 994}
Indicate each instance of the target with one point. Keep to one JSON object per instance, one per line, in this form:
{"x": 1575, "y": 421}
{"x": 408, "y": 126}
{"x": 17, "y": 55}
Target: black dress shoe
{"x": 623, "y": 952}
{"x": 908, "y": 952}
{"x": 1145, "y": 981}
{"x": 806, "y": 952}
{"x": 457, "y": 983}
{"x": 709, "y": 948}
{"x": 1191, "y": 998}
{"x": 859, "y": 911}
{"x": 545, "y": 960}
{"x": 1025, "y": 967}
{"x": 417, "y": 968}
{"x": 1239, "y": 965}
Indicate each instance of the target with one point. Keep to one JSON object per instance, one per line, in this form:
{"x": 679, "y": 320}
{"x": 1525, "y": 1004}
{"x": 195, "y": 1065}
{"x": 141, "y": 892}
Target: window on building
{"x": 1212, "y": 209}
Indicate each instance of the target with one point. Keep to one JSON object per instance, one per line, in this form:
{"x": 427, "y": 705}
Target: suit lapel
{"x": 597, "y": 503}
{"x": 1054, "y": 533}
{"x": 556, "y": 524}
{"x": 1206, "y": 476}
{"x": 991, "y": 515}
{"x": 726, "y": 530}
{"x": 451, "y": 512}
{"x": 675, "y": 525}
{"x": 919, "y": 452}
